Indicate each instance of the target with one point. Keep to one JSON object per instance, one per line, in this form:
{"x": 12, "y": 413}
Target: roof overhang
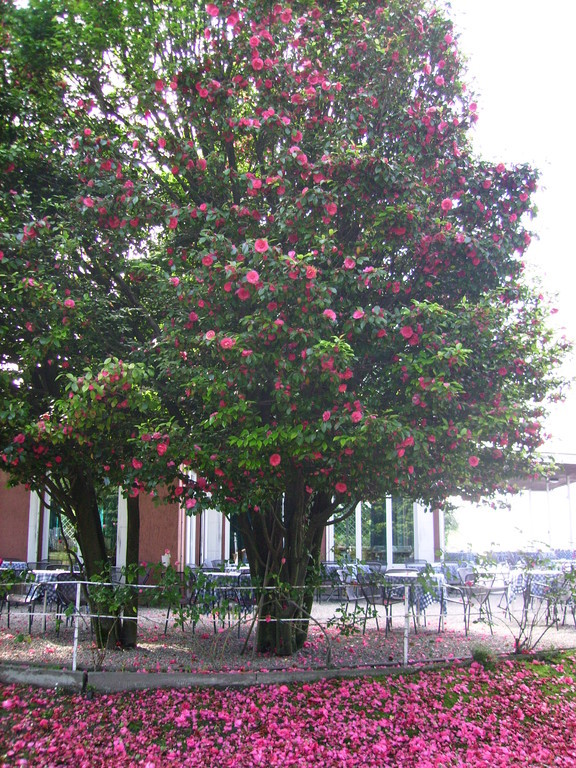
{"x": 563, "y": 473}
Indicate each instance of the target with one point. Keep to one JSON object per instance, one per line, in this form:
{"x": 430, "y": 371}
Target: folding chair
{"x": 66, "y": 595}
{"x": 25, "y": 595}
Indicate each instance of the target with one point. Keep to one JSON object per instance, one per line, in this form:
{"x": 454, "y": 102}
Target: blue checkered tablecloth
{"x": 45, "y": 583}
{"x": 14, "y": 565}
{"x": 423, "y": 593}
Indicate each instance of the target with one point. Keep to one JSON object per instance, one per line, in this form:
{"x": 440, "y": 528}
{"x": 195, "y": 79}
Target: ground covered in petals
{"x": 520, "y": 712}
{"x": 229, "y": 648}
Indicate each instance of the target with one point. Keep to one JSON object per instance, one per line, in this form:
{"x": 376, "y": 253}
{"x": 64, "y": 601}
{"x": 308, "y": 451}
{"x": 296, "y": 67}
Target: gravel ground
{"x": 223, "y": 650}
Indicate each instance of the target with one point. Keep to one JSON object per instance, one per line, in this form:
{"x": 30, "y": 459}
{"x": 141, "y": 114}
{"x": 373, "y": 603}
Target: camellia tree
{"x": 332, "y": 283}
{"x": 73, "y": 449}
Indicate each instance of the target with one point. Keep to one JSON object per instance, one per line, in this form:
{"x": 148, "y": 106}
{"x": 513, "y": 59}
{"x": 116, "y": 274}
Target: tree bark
{"x": 93, "y": 548}
{"x": 129, "y": 633}
{"x": 283, "y": 546}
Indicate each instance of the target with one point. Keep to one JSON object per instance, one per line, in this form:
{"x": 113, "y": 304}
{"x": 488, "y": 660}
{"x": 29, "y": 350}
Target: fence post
{"x": 406, "y": 621}
{"x": 76, "y": 623}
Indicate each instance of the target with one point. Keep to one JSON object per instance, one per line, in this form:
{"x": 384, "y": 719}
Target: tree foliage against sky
{"x": 273, "y": 211}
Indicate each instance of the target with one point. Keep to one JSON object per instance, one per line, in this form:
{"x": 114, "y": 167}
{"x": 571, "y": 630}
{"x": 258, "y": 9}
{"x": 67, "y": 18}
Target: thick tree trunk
{"x": 283, "y": 548}
{"x": 84, "y": 502}
{"x": 130, "y": 620}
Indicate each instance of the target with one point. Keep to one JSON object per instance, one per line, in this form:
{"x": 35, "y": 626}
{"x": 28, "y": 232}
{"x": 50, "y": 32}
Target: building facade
{"x": 392, "y": 532}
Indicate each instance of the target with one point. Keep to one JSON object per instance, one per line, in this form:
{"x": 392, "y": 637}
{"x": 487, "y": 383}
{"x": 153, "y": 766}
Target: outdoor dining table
{"x": 424, "y": 591}
{"x": 225, "y": 589}
{"x": 408, "y": 578}
{"x": 551, "y": 586}
{"x": 45, "y": 583}
{"x": 537, "y": 580}
{"x": 222, "y": 583}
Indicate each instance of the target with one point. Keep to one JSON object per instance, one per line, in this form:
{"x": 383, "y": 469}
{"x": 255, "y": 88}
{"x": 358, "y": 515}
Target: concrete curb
{"x": 88, "y": 683}
{"x": 115, "y": 682}
{"x": 63, "y": 679}
{"x": 85, "y": 682}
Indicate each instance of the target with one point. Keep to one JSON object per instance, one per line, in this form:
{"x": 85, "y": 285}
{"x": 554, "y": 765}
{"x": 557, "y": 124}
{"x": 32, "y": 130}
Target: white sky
{"x": 520, "y": 66}
{"x": 520, "y": 62}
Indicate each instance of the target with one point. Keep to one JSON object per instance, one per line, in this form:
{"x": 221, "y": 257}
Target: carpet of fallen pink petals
{"x": 520, "y": 713}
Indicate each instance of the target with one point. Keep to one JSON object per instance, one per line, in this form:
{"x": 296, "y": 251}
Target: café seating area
{"x": 361, "y": 595}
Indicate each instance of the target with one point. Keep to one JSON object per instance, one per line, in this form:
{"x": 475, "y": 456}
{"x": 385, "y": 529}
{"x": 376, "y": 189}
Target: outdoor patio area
{"x": 229, "y": 646}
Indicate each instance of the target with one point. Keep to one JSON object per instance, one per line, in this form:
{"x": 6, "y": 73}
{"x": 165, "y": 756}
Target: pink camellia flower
{"x": 212, "y": 10}
{"x": 358, "y": 314}
{"x": 243, "y": 294}
{"x": 406, "y": 332}
{"x": 261, "y": 245}
{"x": 341, "y": 487}
{"x": 88, "y": 202}
{"x": 356, "y": 416}
{"x": 330, "y": 314}
{"x": 69, "y": 303}
{"x": 20, "y": 438}
{"x": 252, "y": 277}
{"x": 208, "y": 260}
{"x": 473, "y": 461}
{"x": 210, "y": 335}
{"x": 190, "y": 503}
{"x": 446, "y": 204}
{"x": 227, "y": 342}
{"x": 275, "y": 459}
{"x": 331, "y": 208}
{"x": 311, "y": 272}
{"x": 136, "y": 463}
{"x": 326, "y": 416}
{"x": 175, "y": 281}
{"x": 349, "y": 263}
{"x": 161, "y": 448}
{"x": 159, "y": 85}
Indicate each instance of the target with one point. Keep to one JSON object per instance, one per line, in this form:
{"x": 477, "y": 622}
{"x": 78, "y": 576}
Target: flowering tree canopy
{"x": 276, "y": 209}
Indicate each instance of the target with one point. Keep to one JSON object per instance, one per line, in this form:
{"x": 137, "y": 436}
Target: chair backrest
{"x": 23, "y": 589}
{"x": 45, "y": 565}
{"x": 66, "y": 588}
{"x": 344, "y": 575}
{"x": 466, "y": 575}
